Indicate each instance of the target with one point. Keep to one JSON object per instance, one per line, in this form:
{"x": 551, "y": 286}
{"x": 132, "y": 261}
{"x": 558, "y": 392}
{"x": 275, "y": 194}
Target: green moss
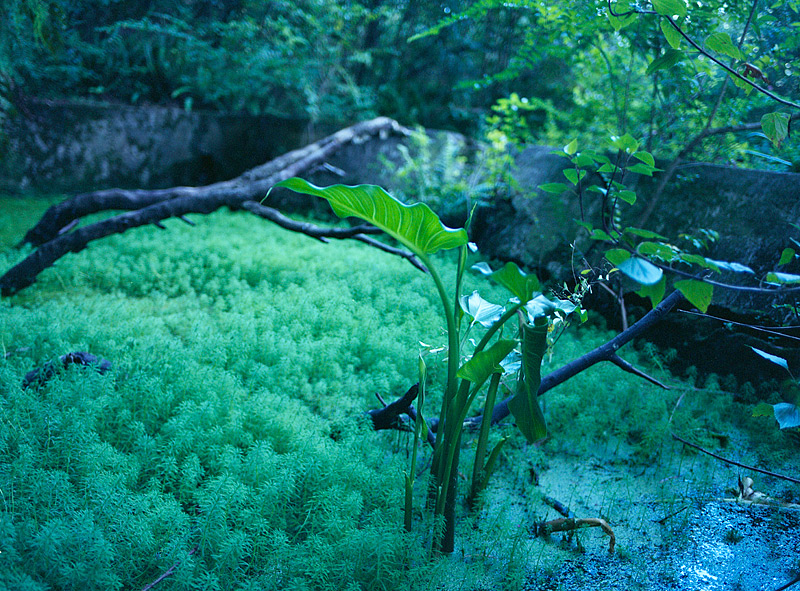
{"x": 229, "y": 438}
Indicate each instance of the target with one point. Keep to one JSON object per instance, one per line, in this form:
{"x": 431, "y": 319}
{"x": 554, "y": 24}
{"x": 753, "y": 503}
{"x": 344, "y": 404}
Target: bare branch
{"x": 733, "y": 463}
{"x": 626, "y": 366}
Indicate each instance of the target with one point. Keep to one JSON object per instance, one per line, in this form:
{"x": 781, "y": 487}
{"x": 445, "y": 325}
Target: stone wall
{"x": 80, "y": 146}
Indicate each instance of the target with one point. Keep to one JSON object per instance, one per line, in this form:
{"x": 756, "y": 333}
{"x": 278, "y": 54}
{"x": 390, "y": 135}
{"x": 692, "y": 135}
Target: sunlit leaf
{"x": 483, "y": 312}
{"x": 787, "y": 415}
{"x": 731, "y": 266}
{"x": 415, "y": 226}
{"x": 697, "y": 292}
{"x": 617, "y": 256}
{"x": 773, "y": 358}
{"x": 542, "y": 306}
{"x": 641, "y": 270}
{"x": 782, "y": 278}
{"x": 522, "y": 285}
{"x": 556, "y": 188}
{"x": 763, "y": 409}
{"x": 571, "y": 147}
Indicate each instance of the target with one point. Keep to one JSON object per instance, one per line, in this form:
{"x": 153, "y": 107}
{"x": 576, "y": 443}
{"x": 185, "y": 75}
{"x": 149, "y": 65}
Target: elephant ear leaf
{"x": 415, "y": 226}
{"x": 524, "y": 405}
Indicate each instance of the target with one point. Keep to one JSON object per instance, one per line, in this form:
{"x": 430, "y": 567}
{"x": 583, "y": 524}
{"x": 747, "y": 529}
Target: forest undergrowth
{"x": 227, "y": 448}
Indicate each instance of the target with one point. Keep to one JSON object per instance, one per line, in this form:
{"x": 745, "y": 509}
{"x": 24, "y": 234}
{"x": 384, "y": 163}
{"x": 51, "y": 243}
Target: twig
{"x": 626, "y": 366}
{"x": 168, "y": 572}
{"x": 673, "y": 514}
{"x": 733, "y": 463}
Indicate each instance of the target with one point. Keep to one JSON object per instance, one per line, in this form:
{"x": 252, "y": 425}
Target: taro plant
{"x": 420, "y": 230}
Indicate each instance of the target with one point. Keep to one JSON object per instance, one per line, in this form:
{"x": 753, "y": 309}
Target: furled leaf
{"x": 787, "y": 415}
{"x": 773, "y": 358}
{"x": 669, "y": 59}
{"x": 697, "y": 292}
{"x": 415, "y": 226}
{"x": 484, "y": 363}
{"x": 524, "y": 404}
{"x": 483, "y": 312}
{"x": 722, "y": 43}
{"x": 641, "y": 271}
{"x": 775, "y": 127}
{"x": 571, "y": 147}
{"x": 670, "y": 8}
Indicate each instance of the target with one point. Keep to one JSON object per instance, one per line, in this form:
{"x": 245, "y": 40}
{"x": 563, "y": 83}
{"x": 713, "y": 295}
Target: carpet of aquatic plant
{"x": 228, "y": 442}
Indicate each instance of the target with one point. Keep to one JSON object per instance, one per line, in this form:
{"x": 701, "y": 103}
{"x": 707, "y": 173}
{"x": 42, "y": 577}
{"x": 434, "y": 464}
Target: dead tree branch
{"x": 54, "y": 235}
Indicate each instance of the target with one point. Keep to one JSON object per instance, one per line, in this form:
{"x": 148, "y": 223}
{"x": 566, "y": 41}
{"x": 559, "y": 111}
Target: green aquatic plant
{"x": 420, "y": 230}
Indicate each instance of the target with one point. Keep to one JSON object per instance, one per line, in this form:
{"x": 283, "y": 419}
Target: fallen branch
{"x": 733, "y": 463}
{"x": 55, "y": 237}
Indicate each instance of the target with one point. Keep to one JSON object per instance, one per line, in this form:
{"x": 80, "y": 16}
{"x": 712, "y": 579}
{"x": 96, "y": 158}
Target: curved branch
{"x": 253, "y": 184}
{"x": 55, "y": 236}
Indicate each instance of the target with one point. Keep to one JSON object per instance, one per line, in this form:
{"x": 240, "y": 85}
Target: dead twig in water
{"x": 733, "y": 463}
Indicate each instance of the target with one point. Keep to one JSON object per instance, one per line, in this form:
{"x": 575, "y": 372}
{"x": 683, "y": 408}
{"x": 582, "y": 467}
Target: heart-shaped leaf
{"x": 519, "y": 283}
{"x": 415, "y": 226}
{"x": 787, "y": 415}
{"x": 483, "y": 312}
{"x": 483, "y": 364}
{"x": 697, "y": 292}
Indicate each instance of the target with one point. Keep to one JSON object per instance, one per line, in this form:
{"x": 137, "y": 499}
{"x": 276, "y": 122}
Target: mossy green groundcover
{"x": 227, "y": 447}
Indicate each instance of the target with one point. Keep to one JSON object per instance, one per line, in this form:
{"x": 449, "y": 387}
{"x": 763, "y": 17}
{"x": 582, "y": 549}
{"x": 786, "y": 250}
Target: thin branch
{"x": 309, "y": 229}
{"x": 730, "y": 70}
{"x": 773, "y": 330}
{"x": 733, "y": 463}
{"x": 626, "y": 366}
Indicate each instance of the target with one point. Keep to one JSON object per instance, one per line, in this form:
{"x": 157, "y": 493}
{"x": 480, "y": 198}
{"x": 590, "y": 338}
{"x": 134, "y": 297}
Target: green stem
{"x": 483, "y": 437}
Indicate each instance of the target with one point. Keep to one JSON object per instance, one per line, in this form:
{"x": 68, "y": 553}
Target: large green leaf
{"x": 524, "y": 404}
{"x": 722, "y": 43}
{"x": 519, "y": 283}
{"x": 670, "y": 8}
{"x": 415, "y": 226}
{"x": 483, "y": 364}
{"x": 776, "y": 127}
{"x": 697, "y": 292}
